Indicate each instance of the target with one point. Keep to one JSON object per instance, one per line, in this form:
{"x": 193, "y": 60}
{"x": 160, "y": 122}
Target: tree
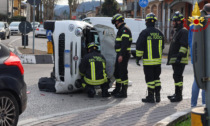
{"x": 72, "y": 6}
{"x": 49, "y": 6}
{"x": 110, "y": 7}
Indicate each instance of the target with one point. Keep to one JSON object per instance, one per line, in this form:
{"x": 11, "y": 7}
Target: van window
{"x": 89, "y": 35}
{"x": 87, "y": 20}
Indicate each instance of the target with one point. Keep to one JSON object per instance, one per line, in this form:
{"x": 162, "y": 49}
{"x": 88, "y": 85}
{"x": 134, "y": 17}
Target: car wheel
{"x": 8, "y": 36}
{"x": 36, "y": 36}
{"x": 9, "y": 110}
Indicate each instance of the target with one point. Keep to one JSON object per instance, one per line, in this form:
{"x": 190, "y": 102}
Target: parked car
{"x": 36, "y": 25}
{"x": 40, "y": 31}
{"x": 4, "y": 30}
{"x": 14, "y": 28}
{"x": 13, "y": 97}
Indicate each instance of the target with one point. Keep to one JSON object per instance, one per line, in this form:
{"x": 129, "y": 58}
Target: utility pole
{"x": 7, "y": 10}
{"x": 135, "y": 8}
{"x": 28, "y": 12}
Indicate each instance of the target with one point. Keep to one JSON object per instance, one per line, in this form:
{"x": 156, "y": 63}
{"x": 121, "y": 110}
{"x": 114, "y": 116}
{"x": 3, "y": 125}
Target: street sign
{"x": 32, "y": 2}
{"x": 143, "y": 3}
{"x": 25, "y": 27}
{"x": 49, "y": 35}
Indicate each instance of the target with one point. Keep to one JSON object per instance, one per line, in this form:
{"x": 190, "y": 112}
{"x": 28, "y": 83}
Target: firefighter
{"x": 150, "y": 45}
{"x": 178, "y": 55}
{"x": 122, "y": 46}
{"x": 93, "y": 71}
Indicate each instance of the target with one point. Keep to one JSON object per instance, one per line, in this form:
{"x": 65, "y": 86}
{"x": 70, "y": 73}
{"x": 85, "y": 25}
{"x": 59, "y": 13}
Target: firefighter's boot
{"x": 117, "y": 89}
{"x": 171, "y": 96}
{"x": 123, "y": 92}
{"x": 157, "y": 93}
{"x": 104, "y": 88}
{"x": 91, "y": 92}
{"x": 150, "y": 97}
{"x": 178, "y": 96}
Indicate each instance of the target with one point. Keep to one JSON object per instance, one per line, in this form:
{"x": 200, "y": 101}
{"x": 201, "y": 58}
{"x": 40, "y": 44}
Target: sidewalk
{"x": 127, "y": 114}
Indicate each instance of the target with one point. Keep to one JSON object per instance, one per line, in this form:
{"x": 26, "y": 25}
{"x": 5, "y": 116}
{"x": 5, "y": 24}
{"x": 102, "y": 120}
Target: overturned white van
{"x": 70, "y": 39}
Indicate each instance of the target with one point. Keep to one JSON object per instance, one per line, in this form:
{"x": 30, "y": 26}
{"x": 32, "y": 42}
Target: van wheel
{"x": 9, "y": 109}
{"x": 49, "y": 25}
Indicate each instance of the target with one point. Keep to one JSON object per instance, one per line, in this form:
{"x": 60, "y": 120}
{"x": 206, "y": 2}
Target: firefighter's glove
{"x": 178, "y": 60}
{"x": 137, "y": 61}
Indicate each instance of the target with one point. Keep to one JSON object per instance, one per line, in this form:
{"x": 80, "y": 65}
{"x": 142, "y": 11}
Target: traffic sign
{"x": 25, "y": 27}
{"x": 32, "y": 2}
{"x": 49, "y": 35}
{"x": 143, "y": 3}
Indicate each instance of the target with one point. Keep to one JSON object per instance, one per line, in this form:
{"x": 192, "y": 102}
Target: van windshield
{"x": 35, "y": 23}
{"x": 14, "y": 24}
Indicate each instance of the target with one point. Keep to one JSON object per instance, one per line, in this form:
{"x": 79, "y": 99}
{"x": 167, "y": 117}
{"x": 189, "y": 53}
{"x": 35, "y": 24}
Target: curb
{"x": 34, "y": 59}
{"x": 174, "y": 118}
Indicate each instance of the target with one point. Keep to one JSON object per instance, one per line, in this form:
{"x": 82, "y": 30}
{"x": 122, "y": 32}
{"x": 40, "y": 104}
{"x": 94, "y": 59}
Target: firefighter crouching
{"x": 93, "y": 71}
{"x": 150, "y": 45}
{"x": 178, "y": 55}
{"x": 122, "y": 46}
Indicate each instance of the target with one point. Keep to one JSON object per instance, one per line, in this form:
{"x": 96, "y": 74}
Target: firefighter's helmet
{"x": 177, "y": 16}
{"x": 151, "y": 17}
{"x": 92, "y": 45}
{"x": 117, "y": 17}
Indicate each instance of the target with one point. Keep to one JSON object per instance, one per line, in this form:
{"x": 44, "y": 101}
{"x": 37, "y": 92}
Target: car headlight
{"x": 78, "y": 31}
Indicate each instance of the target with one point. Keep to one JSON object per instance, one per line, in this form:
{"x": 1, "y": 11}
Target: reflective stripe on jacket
{"x": 123, "y": 40}
{"x": 179, "y": 47}
{"x": 93, "y": 68}
{"x": 150, "y": 45}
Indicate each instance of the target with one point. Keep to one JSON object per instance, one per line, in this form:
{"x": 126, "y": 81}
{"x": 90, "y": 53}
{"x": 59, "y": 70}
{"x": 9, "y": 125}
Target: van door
{"x": 107, "y": 42}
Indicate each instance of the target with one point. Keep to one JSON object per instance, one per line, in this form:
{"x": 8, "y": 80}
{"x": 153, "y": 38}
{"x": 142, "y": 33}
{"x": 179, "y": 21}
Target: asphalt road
{"x": 42, "y": 104}
{"x": 16, "y": 41}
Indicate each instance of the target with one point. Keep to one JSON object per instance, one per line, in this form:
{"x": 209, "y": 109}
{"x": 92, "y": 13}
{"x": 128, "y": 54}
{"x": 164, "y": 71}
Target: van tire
{"x": 49, "y": 25}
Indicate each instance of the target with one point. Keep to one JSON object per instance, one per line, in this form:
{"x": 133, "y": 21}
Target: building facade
{"x": 5, "y": 9}
{"x": 17, "y": 8}
{"x": 183, "y": 6}
{"x": 163, "y": 9}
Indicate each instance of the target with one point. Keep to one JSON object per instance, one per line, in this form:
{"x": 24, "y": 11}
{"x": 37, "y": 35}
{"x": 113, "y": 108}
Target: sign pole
{"x": 33, "y": 24}
{"x": 25, "y": 36}
{"x": 143, "y": 4}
